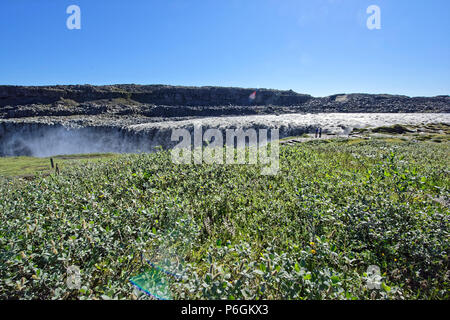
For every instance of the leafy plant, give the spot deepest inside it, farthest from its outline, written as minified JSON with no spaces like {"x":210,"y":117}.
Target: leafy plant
{"x":309,"y":232}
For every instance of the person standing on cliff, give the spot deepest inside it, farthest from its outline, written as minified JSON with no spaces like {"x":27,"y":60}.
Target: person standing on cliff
{"x":320,"y":133}
{"x":317,"y":132}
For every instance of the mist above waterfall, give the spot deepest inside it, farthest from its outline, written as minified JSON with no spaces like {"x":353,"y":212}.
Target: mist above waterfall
{"x":44,"y":141}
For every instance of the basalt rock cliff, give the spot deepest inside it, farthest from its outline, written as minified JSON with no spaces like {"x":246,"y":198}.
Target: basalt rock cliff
{"x":175,"y":101}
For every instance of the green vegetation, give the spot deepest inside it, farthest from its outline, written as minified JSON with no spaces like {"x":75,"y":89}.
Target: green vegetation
{"x":310,"y":232}
{"x":395,"y":129}
{"x":434,"y":137}
{"x":28,"y":167}
{"x":435,"y":132}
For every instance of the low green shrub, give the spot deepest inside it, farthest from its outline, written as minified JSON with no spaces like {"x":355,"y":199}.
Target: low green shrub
{"x":310,"y":232}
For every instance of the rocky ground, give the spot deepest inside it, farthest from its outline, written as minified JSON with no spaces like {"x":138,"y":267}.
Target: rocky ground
{"x":50,"y":120}
{"x":158,"y":101}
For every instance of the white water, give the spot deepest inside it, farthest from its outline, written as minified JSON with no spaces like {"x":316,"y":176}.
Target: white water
{"x":42,"y":140}
{"x":335,"y":123}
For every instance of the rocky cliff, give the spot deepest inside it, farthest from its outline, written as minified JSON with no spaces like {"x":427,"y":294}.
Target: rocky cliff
{"x":52,"y":120}
{"x":175,"y":101}
{"x":150,"y":94}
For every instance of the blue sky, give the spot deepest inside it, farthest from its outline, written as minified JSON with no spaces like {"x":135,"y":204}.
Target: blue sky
{"x":320,"y":47}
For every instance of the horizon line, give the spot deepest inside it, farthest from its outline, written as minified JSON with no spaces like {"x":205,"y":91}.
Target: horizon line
{"x":217,"y":86}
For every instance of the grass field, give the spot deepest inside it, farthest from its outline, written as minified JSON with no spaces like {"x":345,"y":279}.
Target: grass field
{"x":310,"y":232}
{"x":28,"y":167}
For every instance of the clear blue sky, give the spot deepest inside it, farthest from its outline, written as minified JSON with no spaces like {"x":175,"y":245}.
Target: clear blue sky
{"x":320,"y":47}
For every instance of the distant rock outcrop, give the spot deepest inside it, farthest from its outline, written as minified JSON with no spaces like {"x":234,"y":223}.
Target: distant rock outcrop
{"x":175,"y":101}
{"x":149,"y":94}
{"x":358,"y":102}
